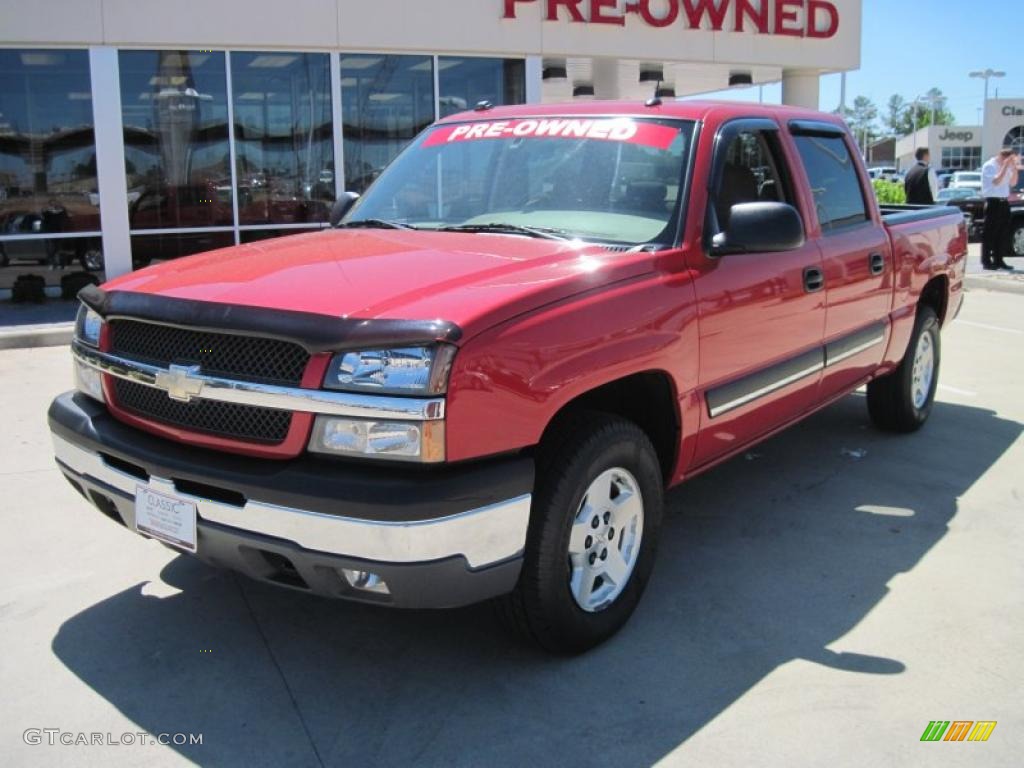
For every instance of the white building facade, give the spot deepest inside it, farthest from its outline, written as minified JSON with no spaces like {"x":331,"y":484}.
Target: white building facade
{"x":966,"y":147}
{"x":134,"y":131}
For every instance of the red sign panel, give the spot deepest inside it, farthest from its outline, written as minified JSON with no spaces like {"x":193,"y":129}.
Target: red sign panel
{"x":627,"y":131}
{"x":795,"y":18}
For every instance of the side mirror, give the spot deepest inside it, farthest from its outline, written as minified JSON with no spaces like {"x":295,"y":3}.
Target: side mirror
{"x":342,"y":206}
{"x":760,"y":228}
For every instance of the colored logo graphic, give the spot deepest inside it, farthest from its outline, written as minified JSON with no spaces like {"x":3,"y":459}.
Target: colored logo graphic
{"x":958,"y":730}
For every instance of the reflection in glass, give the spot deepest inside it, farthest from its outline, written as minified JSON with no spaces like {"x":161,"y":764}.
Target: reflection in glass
{"x":175,"y":116}
{"x":257,"y":235}
{"x":47,"y":147}
{"x":148,"y":249}
{"x":386,"y":101}
{"x":465,"y":82}
{"x":283,"y":144}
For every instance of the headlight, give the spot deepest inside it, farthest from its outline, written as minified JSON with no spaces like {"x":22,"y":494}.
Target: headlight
{"x":88,"y":325}
{"x":421,"y":441}
{"x":399,"y":371}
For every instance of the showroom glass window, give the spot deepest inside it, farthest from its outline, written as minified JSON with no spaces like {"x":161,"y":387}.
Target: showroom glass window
{"x":465,"y":82}
{"x":961,"y":158}
{"x":283,"y":147}
{"x":47,"y":164}
{"x":386,"y":102}
{"x":174,"y":110}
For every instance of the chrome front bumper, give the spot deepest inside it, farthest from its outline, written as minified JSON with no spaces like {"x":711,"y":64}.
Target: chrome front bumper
{"x":440,"y":538}
{"x":482,"y":536}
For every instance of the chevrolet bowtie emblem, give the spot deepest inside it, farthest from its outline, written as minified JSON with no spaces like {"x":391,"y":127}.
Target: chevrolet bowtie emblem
{"x":180,"y":382}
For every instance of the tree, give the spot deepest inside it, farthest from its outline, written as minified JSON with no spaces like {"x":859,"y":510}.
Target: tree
{"x":902,"y":117}
{"x":894,"y":113}
{"x":861,"y":119}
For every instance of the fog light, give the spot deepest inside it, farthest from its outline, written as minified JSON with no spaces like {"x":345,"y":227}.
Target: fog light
{"x":367,"y":581}
{"x":89,"y":381}
{"x":410,"y":441}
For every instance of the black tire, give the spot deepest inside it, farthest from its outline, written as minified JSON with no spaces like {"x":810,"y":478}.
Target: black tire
{"x":575,"y":453}
{"x":1017,"y":238}
{"x":891,"y":397}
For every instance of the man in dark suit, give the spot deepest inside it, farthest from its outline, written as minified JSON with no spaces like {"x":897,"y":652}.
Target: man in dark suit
{"x":921,"y":183}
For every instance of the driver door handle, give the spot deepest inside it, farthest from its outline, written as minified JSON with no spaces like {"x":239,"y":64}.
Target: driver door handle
{"x":877,"y":262}
{"x":814,"y":279}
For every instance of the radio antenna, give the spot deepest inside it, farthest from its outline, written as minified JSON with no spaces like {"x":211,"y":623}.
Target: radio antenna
{"x":655,"y":100}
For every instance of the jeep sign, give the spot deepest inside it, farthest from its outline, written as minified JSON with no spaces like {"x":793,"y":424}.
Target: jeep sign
{"x":964,"y":136}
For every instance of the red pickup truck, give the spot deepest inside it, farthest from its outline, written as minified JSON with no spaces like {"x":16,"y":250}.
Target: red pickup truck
{"x":481,"y":381}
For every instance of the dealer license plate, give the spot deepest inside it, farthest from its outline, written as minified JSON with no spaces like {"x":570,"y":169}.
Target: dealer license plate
{"x":165,"y":517}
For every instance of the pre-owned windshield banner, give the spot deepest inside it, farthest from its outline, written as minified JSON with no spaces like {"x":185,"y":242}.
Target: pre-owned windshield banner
{"x":627,"y":131}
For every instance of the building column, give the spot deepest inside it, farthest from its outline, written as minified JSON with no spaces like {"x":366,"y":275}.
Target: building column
{"x":111,"y":179}
{"x":534,"y":79}
{"x":605,"y":74}
{"x":800,"y":88}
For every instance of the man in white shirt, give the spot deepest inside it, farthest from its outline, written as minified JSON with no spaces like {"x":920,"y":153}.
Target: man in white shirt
{"x":997,"y":176}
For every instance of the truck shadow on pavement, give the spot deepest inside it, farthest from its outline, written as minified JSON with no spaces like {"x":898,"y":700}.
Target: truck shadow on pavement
{"x":767,"y":559}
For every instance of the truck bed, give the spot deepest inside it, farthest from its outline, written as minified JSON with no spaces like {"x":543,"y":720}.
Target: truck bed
{"x":893,"y":214}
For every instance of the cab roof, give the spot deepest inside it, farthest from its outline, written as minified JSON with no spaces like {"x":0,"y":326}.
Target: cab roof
{"x":703,"y":110}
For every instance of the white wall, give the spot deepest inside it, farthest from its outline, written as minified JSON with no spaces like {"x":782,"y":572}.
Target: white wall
{"x":456,"y":26}
{"x":998,"y":123}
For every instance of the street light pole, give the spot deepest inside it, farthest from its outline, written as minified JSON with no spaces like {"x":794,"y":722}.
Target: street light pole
{"x":986,"y":75}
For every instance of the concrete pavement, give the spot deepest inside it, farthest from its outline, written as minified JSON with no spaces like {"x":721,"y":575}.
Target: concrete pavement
{"x":816,"y":602}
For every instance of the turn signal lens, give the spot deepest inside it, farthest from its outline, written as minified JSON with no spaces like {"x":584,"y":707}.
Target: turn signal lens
{"x":89,"y":381}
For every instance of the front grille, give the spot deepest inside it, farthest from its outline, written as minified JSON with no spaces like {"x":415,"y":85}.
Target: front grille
{"x":229,"y":420}
{"x":268,"y":361}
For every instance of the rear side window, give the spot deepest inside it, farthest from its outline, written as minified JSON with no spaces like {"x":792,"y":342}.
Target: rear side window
{"x":833,"y":176}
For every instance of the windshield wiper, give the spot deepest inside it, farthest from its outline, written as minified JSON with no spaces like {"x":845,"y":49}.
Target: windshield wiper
{"x":513,"y":229}
{"x":374,"y":224}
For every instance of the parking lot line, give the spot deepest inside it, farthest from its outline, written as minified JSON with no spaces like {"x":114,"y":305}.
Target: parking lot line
{"x":988,"y":327}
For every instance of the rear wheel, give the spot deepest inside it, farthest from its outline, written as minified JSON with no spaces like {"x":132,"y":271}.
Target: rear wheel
{"x":1017,"y":239}
{"x":902,"y":400}
{"x":593,"y":534}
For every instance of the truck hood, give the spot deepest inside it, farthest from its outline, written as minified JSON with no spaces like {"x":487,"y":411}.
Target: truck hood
{"x":472,"y":280}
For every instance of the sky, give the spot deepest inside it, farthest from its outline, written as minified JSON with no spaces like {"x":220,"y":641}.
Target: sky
{"x":909,"y":46}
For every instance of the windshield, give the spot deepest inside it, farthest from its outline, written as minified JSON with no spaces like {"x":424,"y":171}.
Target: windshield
{"x":610,"y":180}
{"x":969,"y":177}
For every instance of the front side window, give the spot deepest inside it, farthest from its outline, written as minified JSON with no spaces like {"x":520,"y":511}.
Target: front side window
{"x":750,"y":174}
{"x":610,"y":180}
{"x":832,"y":174}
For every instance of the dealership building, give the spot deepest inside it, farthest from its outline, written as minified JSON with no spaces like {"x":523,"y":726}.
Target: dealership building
{"x":966,"y":147}
{"x":134,"y":131}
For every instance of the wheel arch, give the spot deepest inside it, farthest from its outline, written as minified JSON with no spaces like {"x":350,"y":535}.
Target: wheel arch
{"x":648,"y":399}
{"x":935,"y":294}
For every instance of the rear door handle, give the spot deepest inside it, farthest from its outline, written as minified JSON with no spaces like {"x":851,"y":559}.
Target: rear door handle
{"x":814,"y":279}
{"x":877,"y":262}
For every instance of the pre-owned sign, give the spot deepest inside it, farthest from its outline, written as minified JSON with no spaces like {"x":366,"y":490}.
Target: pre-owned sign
{"x":796,"y":18}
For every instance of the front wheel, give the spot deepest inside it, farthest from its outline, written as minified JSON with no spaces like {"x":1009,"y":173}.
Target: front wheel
{"x":902,"y":400}
{"x":593,"y":534}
